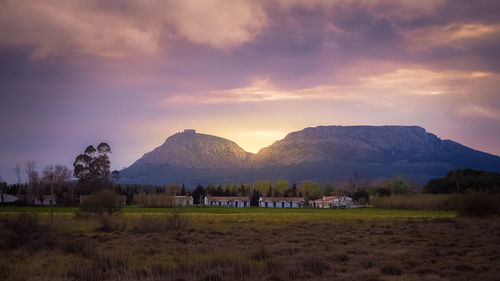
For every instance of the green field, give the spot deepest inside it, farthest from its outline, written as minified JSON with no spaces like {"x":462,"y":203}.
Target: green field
{"x":222,"y":218}
{"x":305,"y":213}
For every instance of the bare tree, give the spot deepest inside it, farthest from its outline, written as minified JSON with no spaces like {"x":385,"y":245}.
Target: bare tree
{"x":1,"y":188}
{"x":34,"y":188}
{"x":17,"y":172}
{"x":55,"y":176}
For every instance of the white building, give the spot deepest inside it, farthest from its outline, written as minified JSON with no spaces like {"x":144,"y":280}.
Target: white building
{"x":332,"y":202}
{"x":281,"y":202}
{"x":227,"y":201}
{"x":46,"y":200}
{"x":8,"y":198}
{"x":183,"y":200}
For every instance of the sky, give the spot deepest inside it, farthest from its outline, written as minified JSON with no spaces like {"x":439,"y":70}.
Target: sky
{"x":132,"y":73}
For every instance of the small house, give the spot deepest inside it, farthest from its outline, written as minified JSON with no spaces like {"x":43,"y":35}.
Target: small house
{"x":332,"y":202}
{"x":8,"y":198}
{"x":281,"y":202}
{"x":227,"y":201}
{"x":46,"y":201}
{"x":183,"y":200}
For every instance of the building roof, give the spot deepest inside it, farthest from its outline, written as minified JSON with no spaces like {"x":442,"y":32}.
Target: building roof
{"x":325,"y":199}
{"x":227,"y":198}
{"x":282,"y":199}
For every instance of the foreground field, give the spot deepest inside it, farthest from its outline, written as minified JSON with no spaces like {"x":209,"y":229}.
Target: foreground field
{"x":255,"y":244}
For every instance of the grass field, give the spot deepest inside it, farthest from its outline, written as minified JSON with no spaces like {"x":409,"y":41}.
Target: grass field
{"x":210,"y":244}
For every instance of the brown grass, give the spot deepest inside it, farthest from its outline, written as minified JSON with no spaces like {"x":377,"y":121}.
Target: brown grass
{"x":412,"y":249}
{"x":418,"y":202}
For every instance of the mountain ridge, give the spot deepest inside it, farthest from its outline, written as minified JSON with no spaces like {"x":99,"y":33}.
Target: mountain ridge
{"x":322,"y":153}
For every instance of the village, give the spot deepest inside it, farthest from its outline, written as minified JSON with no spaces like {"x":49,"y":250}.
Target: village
{"x":270,"y":202}
{"x":228,"y":201}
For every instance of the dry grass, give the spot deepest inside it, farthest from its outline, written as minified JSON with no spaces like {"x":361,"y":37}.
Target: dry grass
{"x":417,"y":202}
{"x":389,"y":249}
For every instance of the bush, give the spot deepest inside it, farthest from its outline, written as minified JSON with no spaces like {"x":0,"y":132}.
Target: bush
{"x":102,"y":202}
{"x":111,"y":224}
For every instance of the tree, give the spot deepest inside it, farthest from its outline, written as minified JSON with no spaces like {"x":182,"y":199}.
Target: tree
{"x":281,"y":187}
{"x":17,"y":172}
{"x":115,"y":176}
{"x":399,"y":184}
{"x":34,"y":188}
{"x":310,"y":190}
{"x":254,"y":199}
{"x":264,"y":187}
{"x":92,"y":168}
{"x":55,"y":176}
{"x":2,"y":186}
{"x":198,"y":194}
{"x":173,"y":189}
{"x":294,"y":191}
{"x":361,"y":196}
{"x":383,"y":192}
{"x":328,"y":189}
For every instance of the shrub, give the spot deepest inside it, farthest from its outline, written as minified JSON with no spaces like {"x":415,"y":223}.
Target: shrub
{"x":111,"y":224}
{"x":159,"y":224}
{"x":102,"y":202}
{"x":177,"y":221}
{"x":314,"y":265}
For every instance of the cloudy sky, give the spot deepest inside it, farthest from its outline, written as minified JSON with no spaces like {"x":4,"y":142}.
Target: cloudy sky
{"x":132,"y":73}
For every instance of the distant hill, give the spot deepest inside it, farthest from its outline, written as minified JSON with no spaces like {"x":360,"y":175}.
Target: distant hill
{"x":324,"y":154}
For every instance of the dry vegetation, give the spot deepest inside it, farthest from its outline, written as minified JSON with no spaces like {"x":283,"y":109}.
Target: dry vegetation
{"x":176,"y":246}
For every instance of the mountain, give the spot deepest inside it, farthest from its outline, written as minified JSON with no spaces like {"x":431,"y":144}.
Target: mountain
{"x":324,"y":154}
{"x":196,"y":151}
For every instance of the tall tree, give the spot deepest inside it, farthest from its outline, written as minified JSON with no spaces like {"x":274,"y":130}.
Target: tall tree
{"x":198,"y":195}
{"x":92,"y":168}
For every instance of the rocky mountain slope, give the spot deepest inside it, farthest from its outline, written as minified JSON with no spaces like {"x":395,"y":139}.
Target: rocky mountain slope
{"x":197,"y":151}
{"x":325,"y":153}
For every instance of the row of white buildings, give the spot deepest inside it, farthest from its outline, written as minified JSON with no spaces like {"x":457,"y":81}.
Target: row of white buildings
{"x":278,"y":202}
{"x":235,"y":201}
{"x":10,"y":198}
